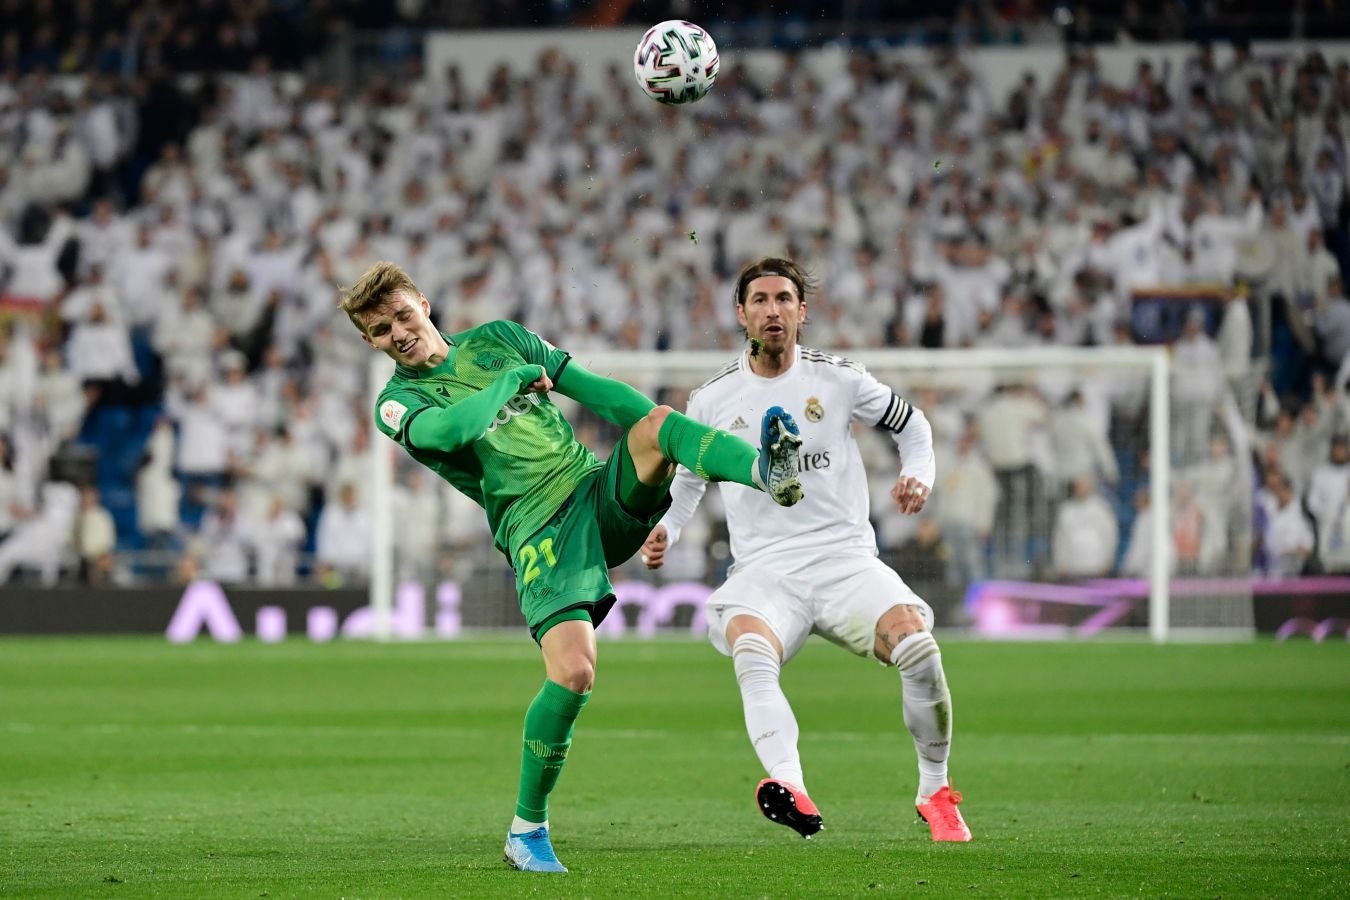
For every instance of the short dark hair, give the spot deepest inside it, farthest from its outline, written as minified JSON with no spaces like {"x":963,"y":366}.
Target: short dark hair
{"x":770,"y":265}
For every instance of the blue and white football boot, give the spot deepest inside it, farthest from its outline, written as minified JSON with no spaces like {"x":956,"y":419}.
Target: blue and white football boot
{"x":532,"y":852}
{"x":779,"y":443}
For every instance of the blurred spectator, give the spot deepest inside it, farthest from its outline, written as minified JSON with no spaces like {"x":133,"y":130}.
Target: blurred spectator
{"x":1086,"y":534}
{"x":1138,"y":561}
{"x":1222,"y":507}
{"x":138,"y":274}
{"x":343,"y":541}
{"x":1287,"y":540}
{"x":225,"y":539}
{"x":99,"y":354}
{"x":1188,"y":529}
{"x":11,"y":374}
{"x":93,"y":289}
{"x":925,"y":560}
{"x":278,"y":466}
{"x":157,"y":492}
{"x":9,"y":495}
{"x":234,"y":402}
{"x":105,"y":236}
{"x":1235,"y":348}
{"x":465,"y":533}
{"x":1197,"y":379}
{"x":1311,"y":440}
{"x":41,"y":540}
{"x":352,"y":466}
{"x":277,"y":537}
{"x":1007,"y":424}
{"x":31,"y":278}
{"x":416,"y":526}
{"x":1334,"y":543}
{"x":1079,"y":445}
{"x":1329,"y":495}
{"x":203,"y":448}
{"x":967,"y":497}
{"x":1333,"y":328}
{"x":95,"y":538}
{"x":185,"y":338}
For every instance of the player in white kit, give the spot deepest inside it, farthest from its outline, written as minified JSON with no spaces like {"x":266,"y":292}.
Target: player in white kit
{"x":815,"y":571}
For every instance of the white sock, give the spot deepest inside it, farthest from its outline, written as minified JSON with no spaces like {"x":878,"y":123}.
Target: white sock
{"x":520,"y":826}
{"x":927,"y":706}
{"x":768,"y":716}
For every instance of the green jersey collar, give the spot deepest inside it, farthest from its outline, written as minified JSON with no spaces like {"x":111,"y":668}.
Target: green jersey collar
{"x":446,"y":364}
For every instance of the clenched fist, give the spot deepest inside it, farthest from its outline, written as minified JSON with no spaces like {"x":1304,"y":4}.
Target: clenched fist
{"x":654,"y":548}
{"x":909,"y":495}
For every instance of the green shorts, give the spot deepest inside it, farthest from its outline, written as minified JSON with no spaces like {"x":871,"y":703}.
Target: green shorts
{"x":562,"y":570}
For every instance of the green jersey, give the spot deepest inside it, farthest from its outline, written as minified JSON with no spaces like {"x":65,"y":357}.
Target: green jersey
{"x":527,"y":462}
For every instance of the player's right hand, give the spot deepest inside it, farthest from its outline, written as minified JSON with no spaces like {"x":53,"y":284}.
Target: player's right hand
{"x":654,"y":548}
{"x":537,"y":385}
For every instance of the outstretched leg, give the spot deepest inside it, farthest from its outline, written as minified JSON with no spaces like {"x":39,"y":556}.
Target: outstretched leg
{"x":757,"y":655}
{"x":904,"y":641}
{"x":664,"y":437}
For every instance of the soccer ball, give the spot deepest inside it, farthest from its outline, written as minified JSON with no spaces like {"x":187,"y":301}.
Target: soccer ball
{"x":676,"y":62}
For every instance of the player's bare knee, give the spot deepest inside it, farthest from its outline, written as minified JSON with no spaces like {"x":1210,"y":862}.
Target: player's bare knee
{"x":656,"y":418}
{"x":577,"y":674}
{"x":896,"y":624}
{"x":741,"y":625}
{"x":649,"y":426}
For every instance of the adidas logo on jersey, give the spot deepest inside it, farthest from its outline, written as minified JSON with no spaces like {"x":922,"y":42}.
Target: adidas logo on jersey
{"x":739,"y":423}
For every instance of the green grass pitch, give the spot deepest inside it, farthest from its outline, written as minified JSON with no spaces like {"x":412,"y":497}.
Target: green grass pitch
{"x":131,"y":768}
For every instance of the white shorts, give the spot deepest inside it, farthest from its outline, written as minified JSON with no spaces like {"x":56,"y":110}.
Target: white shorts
{"x":838,"y":598}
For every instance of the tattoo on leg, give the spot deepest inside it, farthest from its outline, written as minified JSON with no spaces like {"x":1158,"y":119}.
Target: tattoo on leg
{"x":886,"y":644}
{"x":889,"y":638}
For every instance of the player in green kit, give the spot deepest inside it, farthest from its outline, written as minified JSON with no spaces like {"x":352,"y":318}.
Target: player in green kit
{"x":474,"y":408}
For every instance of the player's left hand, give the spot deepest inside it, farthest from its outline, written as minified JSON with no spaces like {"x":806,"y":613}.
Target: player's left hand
{"x":909,"y":494}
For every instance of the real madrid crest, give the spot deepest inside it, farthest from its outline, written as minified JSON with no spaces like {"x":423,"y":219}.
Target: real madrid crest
{"x":814,"y":411}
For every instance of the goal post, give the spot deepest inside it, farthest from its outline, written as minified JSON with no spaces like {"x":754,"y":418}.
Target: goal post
{"x":1160,"y":492}
{"x":383,"y":455}
{"x":1142,"y":599}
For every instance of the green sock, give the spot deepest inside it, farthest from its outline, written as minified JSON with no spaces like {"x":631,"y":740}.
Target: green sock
{"x":710,"y":454}
{"x":548,"y":734}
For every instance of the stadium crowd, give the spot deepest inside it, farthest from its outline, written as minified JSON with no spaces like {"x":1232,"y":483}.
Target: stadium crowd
{"x":171,"y":251}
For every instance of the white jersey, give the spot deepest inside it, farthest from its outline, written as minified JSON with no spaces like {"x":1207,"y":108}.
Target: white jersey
{"x":825,"y":394}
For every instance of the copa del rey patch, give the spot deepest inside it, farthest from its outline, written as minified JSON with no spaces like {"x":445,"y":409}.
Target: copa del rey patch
{"x":391,"y":413}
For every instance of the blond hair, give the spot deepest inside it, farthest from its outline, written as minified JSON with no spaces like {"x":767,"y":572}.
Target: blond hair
{"x":373,"y":290}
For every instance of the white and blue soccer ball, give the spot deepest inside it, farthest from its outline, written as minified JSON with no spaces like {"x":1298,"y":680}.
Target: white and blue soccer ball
{"x":676,"y":62}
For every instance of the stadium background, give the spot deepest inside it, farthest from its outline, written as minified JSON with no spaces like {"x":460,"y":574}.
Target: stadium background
{"x":182,"y":185}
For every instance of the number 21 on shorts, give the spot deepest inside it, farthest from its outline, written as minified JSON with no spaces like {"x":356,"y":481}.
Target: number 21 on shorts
{"x":529,"y":559}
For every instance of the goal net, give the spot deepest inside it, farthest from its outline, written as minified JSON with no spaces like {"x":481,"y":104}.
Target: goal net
{"x":1062,"y":508}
